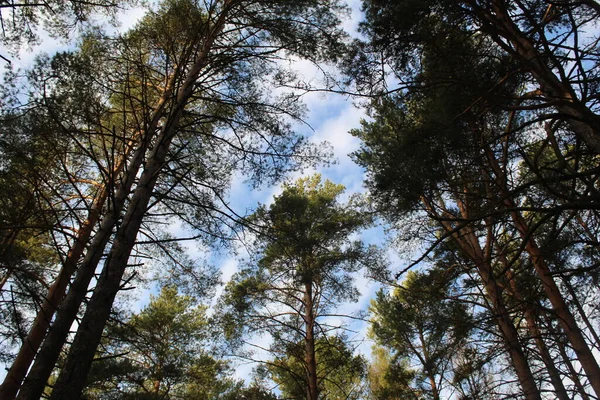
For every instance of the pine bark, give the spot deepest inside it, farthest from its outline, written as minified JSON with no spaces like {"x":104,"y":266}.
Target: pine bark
{"x":72,"y":377}
{"x":56,"y":292}
{"x":573,"y":374}
{"x":310,"y":356}
{"x":535,"y":333}
{"x":560,"y":307}
{"x":469,"y":244}
{"x":34,"y":385}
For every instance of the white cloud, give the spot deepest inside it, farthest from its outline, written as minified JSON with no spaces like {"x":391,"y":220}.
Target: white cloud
{"x":128,"y":18}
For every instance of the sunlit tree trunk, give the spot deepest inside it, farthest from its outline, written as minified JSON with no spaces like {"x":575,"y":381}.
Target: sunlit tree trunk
{"x":50,"y":303}
{"x":49,"y":351}
{"x":71,"y":380}
{"x":534,"y":331}
{"x":560,"y":307}
{"x":469,"y":244}
{"x":311,"y":361}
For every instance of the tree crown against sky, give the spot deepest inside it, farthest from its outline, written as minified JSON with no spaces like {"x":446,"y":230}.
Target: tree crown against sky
{"x":490,"y":140}
{"x":305,"y":257}
{"x":178,"y":85}
{"x":160,"y":353}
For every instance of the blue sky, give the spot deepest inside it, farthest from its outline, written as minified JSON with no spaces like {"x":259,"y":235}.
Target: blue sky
{"x":331,"y":117}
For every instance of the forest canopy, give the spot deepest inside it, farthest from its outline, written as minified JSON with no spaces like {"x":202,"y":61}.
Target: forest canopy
{"x":300,"y":199}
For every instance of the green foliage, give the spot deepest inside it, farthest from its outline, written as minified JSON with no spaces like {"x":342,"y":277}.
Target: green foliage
{"x":340,"y":373}
{"x":22,"y":21}
{"x":303,"y":240}
{"x":421,"y":327}
{"x":252,"y":392}
{"x":304,"y":270}
{"x":428,"y":136}
{"x":160,"y":354}
{"x":307,"y":229}
{"x":390,"y":379}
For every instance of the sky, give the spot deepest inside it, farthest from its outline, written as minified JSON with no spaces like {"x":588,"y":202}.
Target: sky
{"x":330,"y":118}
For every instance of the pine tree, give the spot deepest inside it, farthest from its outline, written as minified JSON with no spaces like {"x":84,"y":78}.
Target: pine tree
{"x":306,"y":258}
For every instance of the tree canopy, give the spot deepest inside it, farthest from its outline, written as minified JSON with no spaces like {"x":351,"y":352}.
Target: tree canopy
{"x":124,"y":156}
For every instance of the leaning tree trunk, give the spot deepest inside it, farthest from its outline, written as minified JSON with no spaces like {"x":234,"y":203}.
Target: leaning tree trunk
{"x":57,"y":291}
{"x":534,"y":331}
{"x":573,"y":374}
{"x":468,"y":243}
{"x":73,"y":375}
{"x":560,"y":307}
{"x":44,"y":363}
{"x":31,"y":344}
{"x":71,"y":380}
{"x":35,"y":383}
{"x":310,"y":353}
{"x":582,"y":313}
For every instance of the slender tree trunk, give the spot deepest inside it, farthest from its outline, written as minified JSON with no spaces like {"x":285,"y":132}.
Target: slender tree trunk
{"x":469,"y":244}
{"x":44,"y":363}
{"x":56,"y":292}
{"x":508,"y":331}
{"x":310,"y":356}
{"x":426,"y":364}
{"x":72,"y":377}
{"x":573,"y":375}
{"x":536,"y":334}
{"x":71,"y":380}
{"x":565,"y":317}
{"x":34,"y":384}
{"x":559,"y":388}
{"x":581,"y":311}
{"x":560,"y":345}
{"x":561,"y":309}
{"x":501,"y":27}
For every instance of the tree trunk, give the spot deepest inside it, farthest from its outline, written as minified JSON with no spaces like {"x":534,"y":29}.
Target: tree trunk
{"x":57,"y":336}
{"x":508,"y":331}
{"x":310,"y":356}
{"x":71,"y":380}
{"x":72,"y":377}
{"x":581,"y":311}
{"x":427,"y":366}
{"x":469,"y":244}
{"x":573,"y":375}
{"x":561,"y":309}
{"x":559,"y":388}
{"x":536,"y":334}
{"x":34,"y":384}
{"x":56,"y":292}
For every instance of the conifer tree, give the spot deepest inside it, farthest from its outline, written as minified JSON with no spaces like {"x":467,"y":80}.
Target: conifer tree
{"x":306,"y":257}
{"x":207,"y":59}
